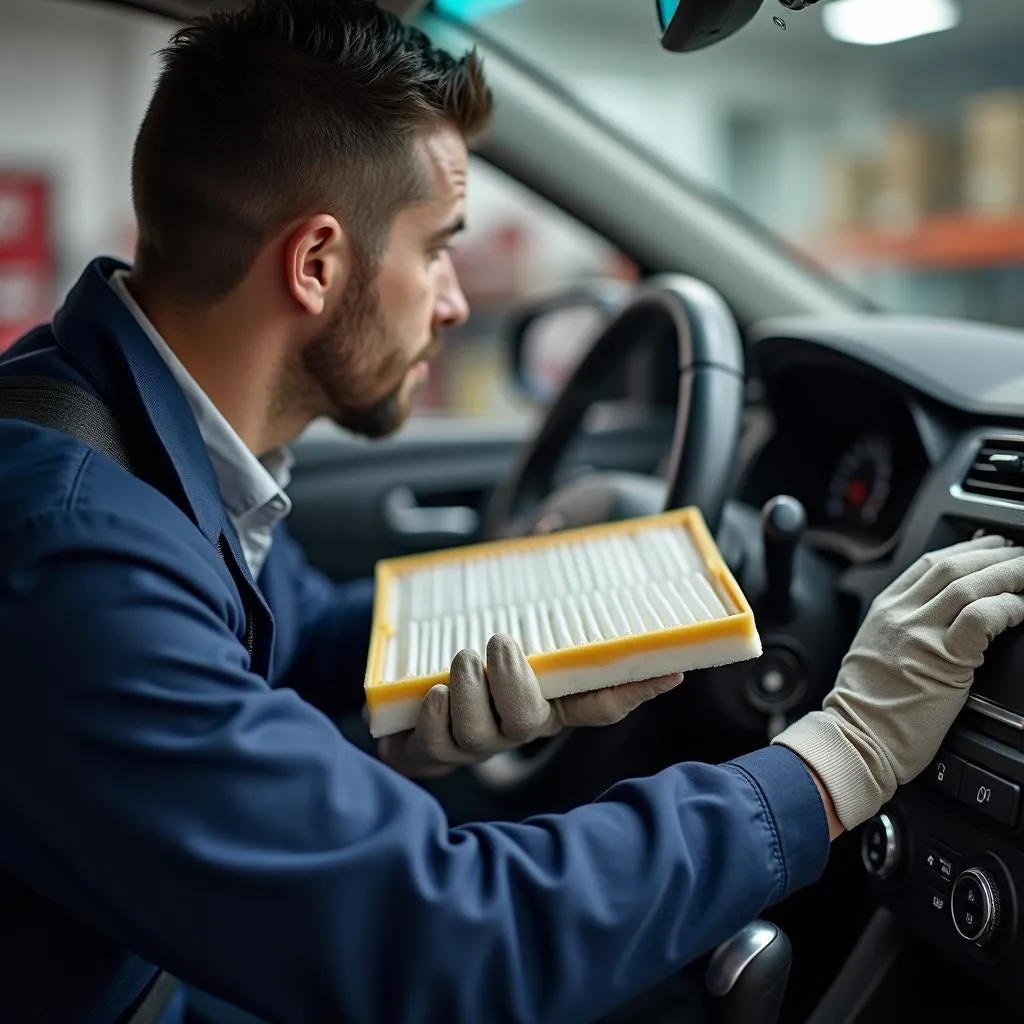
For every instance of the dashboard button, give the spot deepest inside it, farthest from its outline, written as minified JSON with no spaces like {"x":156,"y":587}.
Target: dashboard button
{"x":880,"y":847}
{"x":938,"y":902}
{"x":942,"y":867}
{"x":945,"y":772}
{"x":976,"y":906}
{"x":990,"y":794}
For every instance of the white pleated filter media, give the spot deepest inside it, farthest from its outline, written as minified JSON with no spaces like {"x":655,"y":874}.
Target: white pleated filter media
{"x":591,"y":607}
{"x":552,"y":598}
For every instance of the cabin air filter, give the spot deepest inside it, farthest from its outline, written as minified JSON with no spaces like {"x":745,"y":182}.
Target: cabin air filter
{"x":591,"y":607}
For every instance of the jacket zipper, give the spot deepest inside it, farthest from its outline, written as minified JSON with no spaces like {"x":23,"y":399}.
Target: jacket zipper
{"x":225,"y":553}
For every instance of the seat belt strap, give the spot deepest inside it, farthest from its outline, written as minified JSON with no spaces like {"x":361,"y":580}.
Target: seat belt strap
{"x":65,"y":406}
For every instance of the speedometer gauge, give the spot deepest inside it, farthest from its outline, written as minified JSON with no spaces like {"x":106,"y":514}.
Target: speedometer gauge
{"x":861,"y":482}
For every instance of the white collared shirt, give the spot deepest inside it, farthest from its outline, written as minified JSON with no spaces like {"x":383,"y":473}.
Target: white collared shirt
{"x":252,"y":489}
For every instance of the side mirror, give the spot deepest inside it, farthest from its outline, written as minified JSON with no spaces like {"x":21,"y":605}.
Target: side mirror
{"x":547,"y":339}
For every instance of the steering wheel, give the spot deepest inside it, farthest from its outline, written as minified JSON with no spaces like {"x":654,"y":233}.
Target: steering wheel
{"x":700,"y":469}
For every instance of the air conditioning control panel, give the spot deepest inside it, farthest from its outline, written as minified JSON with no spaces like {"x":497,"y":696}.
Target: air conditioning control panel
{"x":956,"y":872}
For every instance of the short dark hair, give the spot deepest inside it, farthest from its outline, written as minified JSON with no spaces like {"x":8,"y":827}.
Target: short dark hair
{"x":282,"y":109}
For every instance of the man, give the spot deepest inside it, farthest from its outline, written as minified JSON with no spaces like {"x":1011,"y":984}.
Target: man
{"x":171,"y":794}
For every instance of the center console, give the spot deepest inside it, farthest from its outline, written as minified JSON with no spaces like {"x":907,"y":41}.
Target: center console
{"x":946,"y":856}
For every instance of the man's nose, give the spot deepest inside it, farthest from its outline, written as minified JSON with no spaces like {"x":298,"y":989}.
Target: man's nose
{"x":451,"y":308}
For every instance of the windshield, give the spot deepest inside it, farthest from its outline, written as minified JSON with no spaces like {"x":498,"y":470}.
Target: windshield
{"x":897,"y":163}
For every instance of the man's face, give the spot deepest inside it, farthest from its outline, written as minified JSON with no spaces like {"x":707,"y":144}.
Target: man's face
{"x":373,"y":356}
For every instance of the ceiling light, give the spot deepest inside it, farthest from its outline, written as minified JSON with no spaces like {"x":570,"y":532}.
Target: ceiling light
{"x":877,"y":22}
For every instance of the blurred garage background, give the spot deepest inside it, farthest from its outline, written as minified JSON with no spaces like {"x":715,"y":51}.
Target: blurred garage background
{"x":883,"y":139}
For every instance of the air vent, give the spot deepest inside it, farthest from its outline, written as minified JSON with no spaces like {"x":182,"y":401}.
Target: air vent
{"x":998,"y":471}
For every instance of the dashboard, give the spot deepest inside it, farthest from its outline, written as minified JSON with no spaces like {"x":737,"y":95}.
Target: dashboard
{"x":849,"y":449}
{"x":901,"y":438}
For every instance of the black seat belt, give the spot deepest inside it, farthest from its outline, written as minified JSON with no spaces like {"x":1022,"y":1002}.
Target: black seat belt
{"x":64,"y":406}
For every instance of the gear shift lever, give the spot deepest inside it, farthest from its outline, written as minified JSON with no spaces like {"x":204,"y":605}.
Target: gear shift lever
{"x":747,"y":975}
{"x":784,"y":522}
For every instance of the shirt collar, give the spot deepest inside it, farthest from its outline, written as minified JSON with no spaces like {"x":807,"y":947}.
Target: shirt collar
{"x":246,"y":483}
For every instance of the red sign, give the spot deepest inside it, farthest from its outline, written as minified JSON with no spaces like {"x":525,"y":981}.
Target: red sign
{"x":26,"y":255}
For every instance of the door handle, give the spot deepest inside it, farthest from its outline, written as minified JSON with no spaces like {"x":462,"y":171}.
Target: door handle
{"x":406,"y":516}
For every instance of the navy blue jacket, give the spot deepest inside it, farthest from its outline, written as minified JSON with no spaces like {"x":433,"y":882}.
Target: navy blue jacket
{"x":166,"y":798}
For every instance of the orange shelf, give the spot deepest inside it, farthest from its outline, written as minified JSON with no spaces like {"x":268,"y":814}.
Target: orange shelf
{"x":951,"y":241}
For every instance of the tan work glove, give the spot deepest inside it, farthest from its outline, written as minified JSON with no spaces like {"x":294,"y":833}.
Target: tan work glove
{"x":908,"y":673}
{"x":479,"y":714}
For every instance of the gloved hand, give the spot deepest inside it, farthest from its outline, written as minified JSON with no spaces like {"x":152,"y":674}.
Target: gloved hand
{"x":908,"y":673}
{"x":479,"y":714}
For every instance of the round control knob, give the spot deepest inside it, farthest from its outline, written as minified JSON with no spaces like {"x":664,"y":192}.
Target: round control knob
{"x":976,"y":906}
{"x":880,"y":847}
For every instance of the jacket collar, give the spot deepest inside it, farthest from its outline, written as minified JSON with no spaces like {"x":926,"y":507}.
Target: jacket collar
{"x":98,"y":334}
{"x":100,"y":339}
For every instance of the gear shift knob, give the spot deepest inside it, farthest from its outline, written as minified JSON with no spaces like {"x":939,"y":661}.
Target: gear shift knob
{"x":784,"y":522}
{"x":747,"y":975}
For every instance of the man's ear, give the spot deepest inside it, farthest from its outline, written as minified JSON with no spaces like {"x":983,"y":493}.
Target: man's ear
{"x":318,"y":261}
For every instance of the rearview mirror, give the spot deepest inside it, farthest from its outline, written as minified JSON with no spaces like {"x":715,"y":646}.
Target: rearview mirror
{"x":693,"y":24}
{"x":547,"y":339}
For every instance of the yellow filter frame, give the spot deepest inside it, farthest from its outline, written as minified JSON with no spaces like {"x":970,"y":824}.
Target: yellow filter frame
{"x":728,"y":638}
